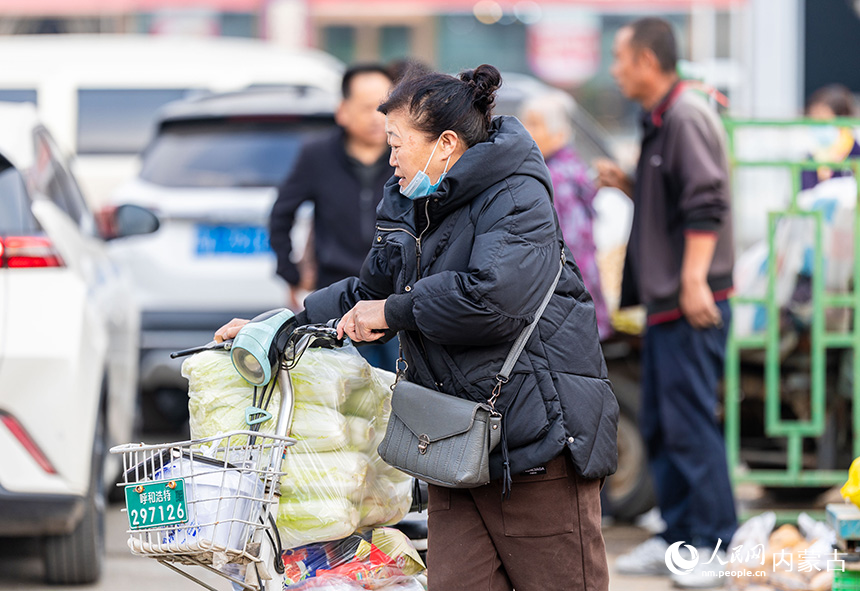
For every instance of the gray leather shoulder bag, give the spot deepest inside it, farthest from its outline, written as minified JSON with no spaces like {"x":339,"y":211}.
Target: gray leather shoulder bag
{"x":443,"y":439}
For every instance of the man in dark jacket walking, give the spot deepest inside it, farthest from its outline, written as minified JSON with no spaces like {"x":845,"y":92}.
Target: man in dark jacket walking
{"x":343,"y":174}
{"x":679,"y":266}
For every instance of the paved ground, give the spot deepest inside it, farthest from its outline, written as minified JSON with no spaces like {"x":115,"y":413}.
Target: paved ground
{"x":20,"y":570}
{"x":620,"y":539}
{"x":122,"y":572}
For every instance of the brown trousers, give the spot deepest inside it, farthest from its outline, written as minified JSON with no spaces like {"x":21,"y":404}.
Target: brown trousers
{"x":545,"y":537}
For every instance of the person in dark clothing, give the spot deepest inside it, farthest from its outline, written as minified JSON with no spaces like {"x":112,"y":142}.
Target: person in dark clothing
{"x":679,"y":266}
{"x":343,"y":174}
{"x":467,"y":245}
{"x":344,"y":191}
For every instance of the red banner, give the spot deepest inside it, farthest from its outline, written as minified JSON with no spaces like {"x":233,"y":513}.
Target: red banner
{"x":98,"y":7}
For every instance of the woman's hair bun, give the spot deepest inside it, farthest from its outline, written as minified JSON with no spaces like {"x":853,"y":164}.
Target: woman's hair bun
{"x":484,"y":81}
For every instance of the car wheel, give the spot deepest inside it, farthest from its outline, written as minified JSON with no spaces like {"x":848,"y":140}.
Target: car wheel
{"x":630,"y":492}
{"x":76,"y":558}
{"x":164,"y":410}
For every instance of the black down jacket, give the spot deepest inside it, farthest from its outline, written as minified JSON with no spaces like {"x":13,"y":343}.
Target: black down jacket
{"x":464,"y":271}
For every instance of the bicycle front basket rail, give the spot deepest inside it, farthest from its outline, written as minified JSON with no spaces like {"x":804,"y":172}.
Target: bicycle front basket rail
{"x":201,"y":502}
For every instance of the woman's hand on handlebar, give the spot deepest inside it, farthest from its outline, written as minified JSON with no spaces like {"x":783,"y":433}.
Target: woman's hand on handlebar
{"x":230,"y":330}
{"x":365,"y":322}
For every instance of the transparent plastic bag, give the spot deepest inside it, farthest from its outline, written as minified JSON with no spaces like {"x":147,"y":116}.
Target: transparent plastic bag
{"x":335,"y":483}
{"x":835,"y":200}
{"x":347,"y":487}
{"x":384,"y":560}
{"x":383,"y":498}
{"x":218,"y":396}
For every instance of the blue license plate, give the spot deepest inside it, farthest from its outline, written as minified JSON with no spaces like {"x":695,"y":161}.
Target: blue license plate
{"x":233,"y":240}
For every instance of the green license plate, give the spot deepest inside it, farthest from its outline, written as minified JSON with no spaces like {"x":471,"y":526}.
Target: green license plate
{"x":158,"y":503}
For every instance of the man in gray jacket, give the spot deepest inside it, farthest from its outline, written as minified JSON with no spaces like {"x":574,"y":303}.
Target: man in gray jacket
{"x":679,"y":266}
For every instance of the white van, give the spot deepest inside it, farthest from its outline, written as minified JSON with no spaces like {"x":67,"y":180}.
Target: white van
{"x":99,"y":93}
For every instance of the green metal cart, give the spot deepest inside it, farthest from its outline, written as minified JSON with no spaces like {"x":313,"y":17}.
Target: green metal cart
{"x":796,"y":471}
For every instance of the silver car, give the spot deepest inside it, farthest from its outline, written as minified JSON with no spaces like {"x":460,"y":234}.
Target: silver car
{"x":210,"y":176}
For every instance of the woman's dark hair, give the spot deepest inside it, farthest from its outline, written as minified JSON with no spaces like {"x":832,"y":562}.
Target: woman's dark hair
{"x":835,"y":96}
{"x":406,"y":68}
{"x":439,"y":102}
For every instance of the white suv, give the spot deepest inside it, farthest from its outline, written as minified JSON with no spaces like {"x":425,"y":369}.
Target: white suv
{"x":210,"y":175}
{"x":68,"y":354}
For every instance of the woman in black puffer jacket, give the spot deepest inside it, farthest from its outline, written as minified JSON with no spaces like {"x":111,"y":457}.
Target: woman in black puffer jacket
{"x":466,"y":246}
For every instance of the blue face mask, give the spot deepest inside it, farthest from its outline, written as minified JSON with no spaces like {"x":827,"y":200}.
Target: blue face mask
{"x":420,"y":185}
{"x":824,"y":136}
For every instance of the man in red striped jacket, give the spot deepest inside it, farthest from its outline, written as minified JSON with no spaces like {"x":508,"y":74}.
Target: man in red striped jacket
{"x":679,"y":266}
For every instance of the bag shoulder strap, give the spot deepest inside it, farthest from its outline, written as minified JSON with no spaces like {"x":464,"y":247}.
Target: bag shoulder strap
{"x":520,"y":344}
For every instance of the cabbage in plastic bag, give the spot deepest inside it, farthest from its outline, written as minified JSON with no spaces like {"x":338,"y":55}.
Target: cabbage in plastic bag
{"x":339,"y":474}
{"x":218,"y":396}
{"x":387,"y":493}
{"x":384,"y":501}
{"x":335,"y":481}
{"x":331,"y":518}
{"x":361,"y":434}
{"x":373,"y":399}
{"x":327,"y":376}
{"x":318,"y":428}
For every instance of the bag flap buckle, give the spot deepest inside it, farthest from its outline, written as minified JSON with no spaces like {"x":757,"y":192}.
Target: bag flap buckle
{"x":423,"y":443}
{"x":435,"y":415}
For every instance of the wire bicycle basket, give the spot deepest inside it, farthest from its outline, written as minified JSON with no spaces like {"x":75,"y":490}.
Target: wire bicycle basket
{"x":215,"y":501}
{"x":203,"y":502}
